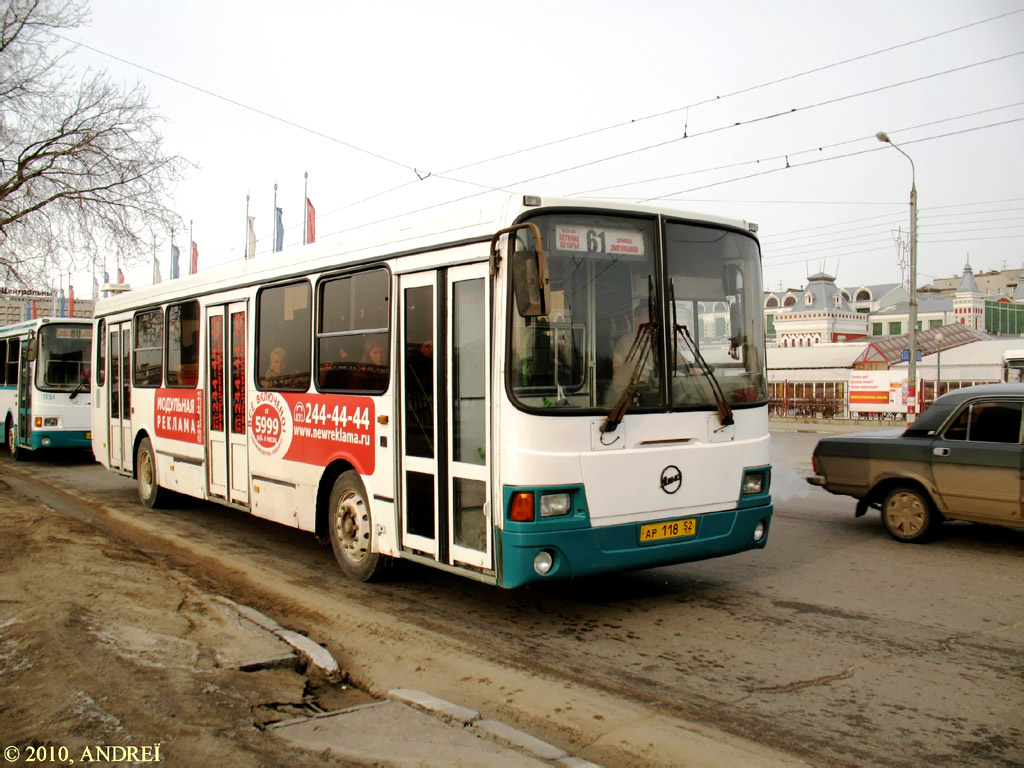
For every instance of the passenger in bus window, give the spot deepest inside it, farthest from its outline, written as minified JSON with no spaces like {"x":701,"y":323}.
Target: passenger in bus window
{"x":624,"y":364}
{"x":372,"y":370}
{"x":278,"y":368}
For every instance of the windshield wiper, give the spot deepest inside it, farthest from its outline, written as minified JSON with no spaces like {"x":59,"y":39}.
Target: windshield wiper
{"x":80,"y":388}
{"x":639,"y":350}
{"x":724,"y":411}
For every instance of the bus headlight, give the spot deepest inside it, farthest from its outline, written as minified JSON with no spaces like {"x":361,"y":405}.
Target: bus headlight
{"x":543,"y":563}
{"x":51,"y":422}
{"x":554,"y":504}
{"x":755,"y":482}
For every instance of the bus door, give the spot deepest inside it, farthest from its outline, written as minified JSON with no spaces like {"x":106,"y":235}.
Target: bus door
{"x":226,"y":445}
{"x":119,"y":377}
{"x":443,"y":332}
{"x":24,"y":393}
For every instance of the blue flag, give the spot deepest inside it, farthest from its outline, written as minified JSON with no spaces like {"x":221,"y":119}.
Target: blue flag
{"x":278,"y":229}
{"x":63,"y":309}
{"x":28,"y":311}
{"x":174,"y":262}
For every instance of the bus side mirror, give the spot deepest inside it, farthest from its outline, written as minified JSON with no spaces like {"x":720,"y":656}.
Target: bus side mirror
{"x":32,"y":347}
{"x":531,"y":283}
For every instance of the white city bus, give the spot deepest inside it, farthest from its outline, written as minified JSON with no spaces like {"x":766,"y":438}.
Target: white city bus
{"x":490,"y":395}
{"x":44,"y":384}
{"x":1013,"y":365}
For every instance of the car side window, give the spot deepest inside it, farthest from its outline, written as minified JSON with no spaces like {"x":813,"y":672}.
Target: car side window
{"x":996,"y":422}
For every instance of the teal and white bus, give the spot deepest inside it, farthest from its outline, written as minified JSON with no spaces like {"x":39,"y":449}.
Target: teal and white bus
{"x":542,"y":391}
{"x":45,"y":384}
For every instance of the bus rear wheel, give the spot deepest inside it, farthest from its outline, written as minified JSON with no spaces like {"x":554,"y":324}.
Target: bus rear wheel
{"x":12,"y":443}
{"x":351,"y":529}
{"x":150,"y":493}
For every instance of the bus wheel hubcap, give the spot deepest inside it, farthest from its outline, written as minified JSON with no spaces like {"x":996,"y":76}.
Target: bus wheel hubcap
{"x":353,"y":526}
{"x":146,"y":472}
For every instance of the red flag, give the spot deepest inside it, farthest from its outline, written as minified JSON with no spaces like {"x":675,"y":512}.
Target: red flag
{"x":310,"y":222}
{"x":195,"y":258}
{"x":35,"y":313}
{"x":71,"y":302}
{"x":120,"y":275}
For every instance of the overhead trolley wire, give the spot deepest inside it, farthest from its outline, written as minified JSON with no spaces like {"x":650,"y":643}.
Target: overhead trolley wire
{"x":788,"y":155}
{"x":739,"y":92}
{"x":829,"y":159}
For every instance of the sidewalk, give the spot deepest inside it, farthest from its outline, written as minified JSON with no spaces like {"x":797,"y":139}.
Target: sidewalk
{"x":831,"y":426}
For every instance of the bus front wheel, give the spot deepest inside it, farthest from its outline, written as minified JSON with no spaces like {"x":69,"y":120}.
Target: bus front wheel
{"x":12,"y":442}
{"x":150,"y":493}
{"x":351,"y":529}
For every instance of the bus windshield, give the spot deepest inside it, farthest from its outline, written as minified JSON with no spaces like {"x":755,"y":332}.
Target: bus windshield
{"x":618,"y":320}
{"x":63,"y":362}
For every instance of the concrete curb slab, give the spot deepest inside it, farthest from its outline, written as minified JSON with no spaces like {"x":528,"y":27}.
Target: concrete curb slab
{"x":435,"y":705}
{"x":316,"y":656}
{"x":521,"y":740}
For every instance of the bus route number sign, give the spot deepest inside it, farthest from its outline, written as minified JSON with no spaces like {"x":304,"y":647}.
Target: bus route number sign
{"x":619,"y":242}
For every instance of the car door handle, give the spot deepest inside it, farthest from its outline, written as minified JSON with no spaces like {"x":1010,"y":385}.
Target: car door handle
{"x":940,"y":451}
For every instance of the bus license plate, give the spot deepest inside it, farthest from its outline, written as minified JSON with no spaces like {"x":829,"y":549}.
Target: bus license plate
{"x":670,"y":529}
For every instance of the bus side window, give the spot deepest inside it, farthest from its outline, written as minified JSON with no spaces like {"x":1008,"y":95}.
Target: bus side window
{"x":13,"y":358}
{"x":3,"y":362}
{"x":353,"y":340}
{"x":283,"y":331}
{"x":149,"y":338}
{"x":183,"y":344}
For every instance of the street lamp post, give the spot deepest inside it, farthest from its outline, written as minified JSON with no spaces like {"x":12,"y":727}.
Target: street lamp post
{"x":912,"y":368}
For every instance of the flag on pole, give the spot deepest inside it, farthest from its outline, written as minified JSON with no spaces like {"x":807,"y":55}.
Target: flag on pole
{"x":28,"y":309}
{"x":120,"y":276}
{"x":174,"y":262}
{"x":156,"y":270}
{"x":278,"y":229}
{"x":310,"y":222}
{"x":71,"y":300}
{"x":62,"y":312}
{"x":195,"y":258}
{"x":35,"y":311}
{"x":250,"y":239}
{"x":95,"y":287}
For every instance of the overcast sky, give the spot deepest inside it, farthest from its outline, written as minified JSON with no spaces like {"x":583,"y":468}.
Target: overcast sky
{"x":363,"y":95}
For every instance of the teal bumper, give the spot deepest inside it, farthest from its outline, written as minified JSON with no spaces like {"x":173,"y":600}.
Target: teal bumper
{"x":72,"y":438}
{"x":588,"y":551}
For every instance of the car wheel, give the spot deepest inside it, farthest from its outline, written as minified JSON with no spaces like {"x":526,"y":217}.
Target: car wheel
{"x":15,"y":451}
{"x":909,"y":516}
{"x":150,"y":492}
{"x":351,"y":528}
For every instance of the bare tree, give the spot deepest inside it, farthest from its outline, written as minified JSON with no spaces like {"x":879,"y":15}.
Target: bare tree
{"x":83,"y":171}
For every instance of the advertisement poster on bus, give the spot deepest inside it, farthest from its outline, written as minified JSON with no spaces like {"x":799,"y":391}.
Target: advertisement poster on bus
{"x":314,"y":429}
{"x":879,"y":391}
{"x":179,"y":415}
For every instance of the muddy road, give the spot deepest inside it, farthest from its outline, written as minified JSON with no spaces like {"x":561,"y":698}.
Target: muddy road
{"x":835,"y":644}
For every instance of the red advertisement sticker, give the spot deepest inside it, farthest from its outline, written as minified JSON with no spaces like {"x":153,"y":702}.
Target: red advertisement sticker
{"x":314,"y":429}
{"x":179,"y":415}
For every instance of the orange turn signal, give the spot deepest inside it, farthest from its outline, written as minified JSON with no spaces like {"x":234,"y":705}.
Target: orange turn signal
{"x":520,"y":510}
{"x":39,"y":421}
